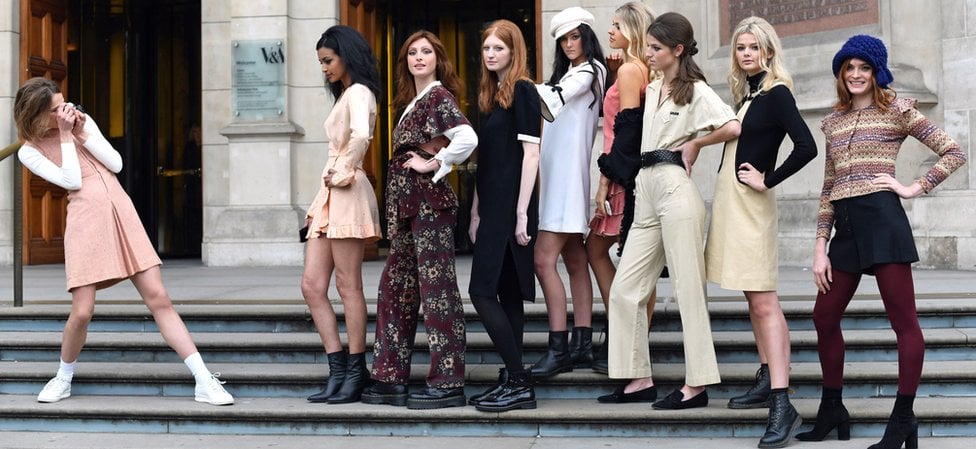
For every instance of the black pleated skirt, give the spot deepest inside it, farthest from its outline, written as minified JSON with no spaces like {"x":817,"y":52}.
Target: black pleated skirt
{"x":870,"y":230}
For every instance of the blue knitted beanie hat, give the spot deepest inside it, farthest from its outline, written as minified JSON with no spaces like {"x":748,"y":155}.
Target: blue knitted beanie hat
{"x":869,"y":49}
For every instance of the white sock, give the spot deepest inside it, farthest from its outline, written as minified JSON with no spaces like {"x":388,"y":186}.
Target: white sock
{"x":66,"y":370}
{"x":197,"y":367}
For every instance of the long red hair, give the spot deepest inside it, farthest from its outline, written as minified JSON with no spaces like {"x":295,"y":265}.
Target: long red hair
{"x":406,"y":90}
{"x":490,"y":91}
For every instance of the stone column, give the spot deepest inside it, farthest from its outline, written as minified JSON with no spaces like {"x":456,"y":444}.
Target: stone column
{"x":250,"y":217}
{"x":9,"y":82}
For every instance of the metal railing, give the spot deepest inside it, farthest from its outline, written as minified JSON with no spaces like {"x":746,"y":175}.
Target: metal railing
{"x":18,"y":225}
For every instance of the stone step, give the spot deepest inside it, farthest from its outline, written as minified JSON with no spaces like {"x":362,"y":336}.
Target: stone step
{"x":87,"y":440}
{"x":553,"y":417}
{"x":862,"y":379}
{"x":294,"y":347}
{"x":937,"y":311}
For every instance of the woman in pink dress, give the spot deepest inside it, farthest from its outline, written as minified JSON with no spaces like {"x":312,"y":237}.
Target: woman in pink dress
{"x":626,"y":96}
{"x":343,"y":216}
{"x":104,"y":240}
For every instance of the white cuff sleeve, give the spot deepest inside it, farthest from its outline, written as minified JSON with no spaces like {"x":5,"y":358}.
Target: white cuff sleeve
{"x":463,"y":142}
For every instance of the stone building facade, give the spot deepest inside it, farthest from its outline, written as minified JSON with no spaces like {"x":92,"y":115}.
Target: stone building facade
{"x":260,"y":174}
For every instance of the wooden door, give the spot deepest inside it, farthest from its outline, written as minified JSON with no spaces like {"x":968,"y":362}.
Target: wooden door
{"x":44,"y":52}
{"x":361,"y":15}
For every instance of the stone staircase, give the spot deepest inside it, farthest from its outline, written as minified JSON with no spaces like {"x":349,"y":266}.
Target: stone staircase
{"x":128,"y":380}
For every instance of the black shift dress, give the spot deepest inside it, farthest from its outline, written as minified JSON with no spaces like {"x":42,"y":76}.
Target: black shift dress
{"x":497,"y":180}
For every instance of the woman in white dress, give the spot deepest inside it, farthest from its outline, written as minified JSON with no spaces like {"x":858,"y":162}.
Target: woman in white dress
{"x":572,"y":97}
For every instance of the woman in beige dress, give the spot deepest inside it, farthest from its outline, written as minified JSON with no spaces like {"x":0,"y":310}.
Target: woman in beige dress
{"x":742,"y":249}
{"x":104,"y":240}
{"x":343,"y":216}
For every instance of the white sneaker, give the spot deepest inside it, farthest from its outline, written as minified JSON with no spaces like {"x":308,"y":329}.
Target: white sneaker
{"x":211,"y":391}
{"x":56,"y":389}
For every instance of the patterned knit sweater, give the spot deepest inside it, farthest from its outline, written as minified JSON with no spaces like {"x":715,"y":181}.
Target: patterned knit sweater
{"x":864,"y":142}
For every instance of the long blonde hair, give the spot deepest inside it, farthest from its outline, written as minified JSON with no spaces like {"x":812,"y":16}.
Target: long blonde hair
{"x":490,"y":90}
{"x":770,"y":59}
{"x":635,"y":17}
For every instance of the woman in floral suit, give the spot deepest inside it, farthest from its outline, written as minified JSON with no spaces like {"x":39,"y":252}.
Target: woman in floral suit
{"x":421,"y":211}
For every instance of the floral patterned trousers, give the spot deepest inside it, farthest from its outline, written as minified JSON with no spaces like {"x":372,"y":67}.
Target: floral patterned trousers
{"x":420,"y":270}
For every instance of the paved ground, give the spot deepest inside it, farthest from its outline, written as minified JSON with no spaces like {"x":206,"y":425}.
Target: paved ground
{"x":191,"y":281}
{"x":39,"y":440}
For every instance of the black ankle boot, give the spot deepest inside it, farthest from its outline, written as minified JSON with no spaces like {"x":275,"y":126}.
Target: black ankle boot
{"x":517,"y":392}
{"x":556,"y":359}
{"x":357,"y":377}
{"x":902,"y":426}
{"x":831,"y":414}
{"x":337,"y":374}
{"x":502,"y":379}
{"x":783,"y":420}
{"x":758,"y":395}
{"x":581,"y":347}
{"x":601,"y":360}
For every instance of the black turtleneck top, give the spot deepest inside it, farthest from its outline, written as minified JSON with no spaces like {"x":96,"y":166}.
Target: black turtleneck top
{"x":771,"y":116}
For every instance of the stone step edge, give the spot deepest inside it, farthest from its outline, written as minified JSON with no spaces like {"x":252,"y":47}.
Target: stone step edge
{"x":310,"y":341}
{"x":196,"y":310}
{"x":558,"y":411}
{"x":284,"y":373}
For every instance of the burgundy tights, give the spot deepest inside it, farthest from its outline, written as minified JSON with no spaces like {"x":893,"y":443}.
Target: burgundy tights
{"x":898,"y":293}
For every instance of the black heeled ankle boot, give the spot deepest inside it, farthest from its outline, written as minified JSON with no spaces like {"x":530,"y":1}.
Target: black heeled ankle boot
{"x":581,"y":347}
{"x":502,"y":379}
{"x":556,"y":359}
{"x":902,"y":426}
{"x":758,"y":395}
{"x":831,"y":414}
{"x":783,"y":420}
{"x":601,"y":360}
{"x":337,"y":374}
{"x":517,"y":392}
{"x":357,"y":377}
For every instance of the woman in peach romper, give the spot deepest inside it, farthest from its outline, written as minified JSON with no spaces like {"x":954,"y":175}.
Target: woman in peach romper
{"x":343,"y":216}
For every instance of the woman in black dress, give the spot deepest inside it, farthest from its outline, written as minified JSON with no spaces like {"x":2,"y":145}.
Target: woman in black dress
{"x":502,"y":271}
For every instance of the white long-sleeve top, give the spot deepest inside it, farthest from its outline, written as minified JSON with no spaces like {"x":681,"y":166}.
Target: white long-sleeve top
{"x":68,"y":175}
{"x":463,"y":139}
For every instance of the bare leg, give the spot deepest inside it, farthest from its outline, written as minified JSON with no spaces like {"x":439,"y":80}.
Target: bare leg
{"x":149,"y":283}
{"x":76,"y":327}
{"x":319,"y":265}
{"x":580,"y":286}
{"x":772,"y":335}
{"x":349,"y":282}
{"x":547,"y":248}
{"x":598,"y":253}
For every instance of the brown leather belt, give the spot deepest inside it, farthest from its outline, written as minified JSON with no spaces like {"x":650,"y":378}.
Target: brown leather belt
{"x":650,"y":158}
